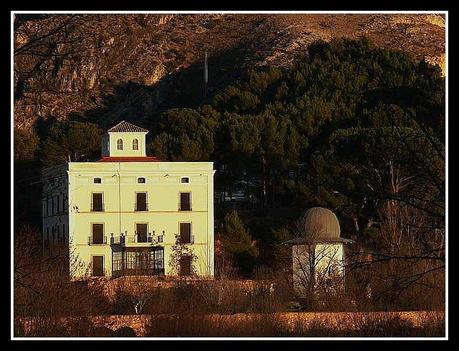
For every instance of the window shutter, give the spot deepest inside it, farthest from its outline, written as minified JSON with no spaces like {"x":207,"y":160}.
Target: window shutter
{"x":185,"y":232}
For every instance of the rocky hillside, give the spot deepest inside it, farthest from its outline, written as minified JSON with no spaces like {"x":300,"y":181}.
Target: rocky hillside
{"x":107,"y":67}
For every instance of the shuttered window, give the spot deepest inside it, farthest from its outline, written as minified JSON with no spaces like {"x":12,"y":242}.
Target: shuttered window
{"x":141,"y":202}
{"x":97,"y":233}
{"x":141,"y":229}
{"x":97,"y":265}
{"x":185,"y":201}
{"x":97,"y":204}
{"x":185,"y":232}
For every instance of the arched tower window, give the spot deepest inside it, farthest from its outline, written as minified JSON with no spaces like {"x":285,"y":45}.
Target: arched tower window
{"x":119,"y":144}
{"x":135,"y":144}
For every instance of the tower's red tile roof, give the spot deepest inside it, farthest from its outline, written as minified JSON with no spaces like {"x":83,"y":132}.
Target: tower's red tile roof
{"x":129,"y":159}
{"x":124,"y":126}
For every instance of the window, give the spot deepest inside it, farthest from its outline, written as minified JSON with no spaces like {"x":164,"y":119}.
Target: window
{"x":141,"y":232}
{"x":131,"y":259}
{"x":185,"y":265}
{"x":185,"y":233}
{"x":185,"y":180}
{"x":141,"y":202}
{"x":97,"y":180}
{"x":117,"y":261}
{"x":97,"y":265}
{"x":141,"y":180}
{"x":119,"y":144}
{"x":135,"y":144}
{"x":97,"y":204}
{"x":158,"y":260}
{"x":97,"y":233}
{"x":185,"y":202}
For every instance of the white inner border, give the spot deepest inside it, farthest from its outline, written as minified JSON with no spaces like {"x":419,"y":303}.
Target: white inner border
{"x":445,"y":13}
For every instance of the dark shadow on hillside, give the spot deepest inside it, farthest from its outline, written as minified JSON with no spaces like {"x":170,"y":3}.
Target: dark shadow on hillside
{"x":143,"y":105}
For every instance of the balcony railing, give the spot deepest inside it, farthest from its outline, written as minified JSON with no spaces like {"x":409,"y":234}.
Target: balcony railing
{"x":140,"y":238}
{"x":97,"y":241}
{"x":141,"y":207}
{"x":136,"y":239}
{"x":97,"y":207}
{"x":184,"y":240}
{"x":184,"y":206}
{"x":117,"y":240}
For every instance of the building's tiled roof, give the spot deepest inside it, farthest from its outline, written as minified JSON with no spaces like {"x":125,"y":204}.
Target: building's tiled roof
{"x":124,"y":126}
{"x":129,"y":159}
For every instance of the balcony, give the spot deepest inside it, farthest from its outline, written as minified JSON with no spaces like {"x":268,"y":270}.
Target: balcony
{"x":184,"y":206}
{"x":97,"y":241}
{"x":117,"y":240}
{"x":137,"y":240}
{"x":185,"y":240}
{"x":97,"y":207}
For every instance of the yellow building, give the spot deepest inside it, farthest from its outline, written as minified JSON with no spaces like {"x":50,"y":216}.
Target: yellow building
{"x":128,"y":213}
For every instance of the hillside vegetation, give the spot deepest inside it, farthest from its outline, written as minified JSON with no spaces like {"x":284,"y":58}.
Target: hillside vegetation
{"x":73,"y":64}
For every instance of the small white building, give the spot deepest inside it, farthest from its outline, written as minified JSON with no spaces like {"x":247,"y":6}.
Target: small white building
{"x":318,"y":258}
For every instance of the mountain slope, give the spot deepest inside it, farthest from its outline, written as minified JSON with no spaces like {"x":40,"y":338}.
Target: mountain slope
{"x":108,"y":67}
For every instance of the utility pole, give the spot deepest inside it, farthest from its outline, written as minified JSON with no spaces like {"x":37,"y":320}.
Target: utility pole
{"x":206,"y":74}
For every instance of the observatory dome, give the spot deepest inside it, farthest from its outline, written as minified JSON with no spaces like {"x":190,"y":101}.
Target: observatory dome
{"x":321,"y":224}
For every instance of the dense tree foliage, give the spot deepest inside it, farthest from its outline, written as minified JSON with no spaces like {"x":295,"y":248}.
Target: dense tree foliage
{"x":71,"y":141}
{"x":237,"y":242}
{"x":25,"y":145}
{"x":349,"y":126}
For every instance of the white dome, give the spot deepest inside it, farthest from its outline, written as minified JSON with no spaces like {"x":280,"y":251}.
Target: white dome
{"x":321,"y":224}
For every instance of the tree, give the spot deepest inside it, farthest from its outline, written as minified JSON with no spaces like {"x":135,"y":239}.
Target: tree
{"x":181,"y":250}
{"x":25,"y":145}
{"x":398,"y":174}
{"x":71,"y":141}
{"x":237,"y":242}
{"x":186,"y":134}
{"x":135,"y":291}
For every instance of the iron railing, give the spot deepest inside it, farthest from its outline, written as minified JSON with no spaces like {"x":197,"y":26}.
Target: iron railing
{"x":137,"y":239}
{"x":117,"y":240}
{"x":91,"y":241}
{"x":184,"y":240}
{"x":100,"y":207}
{"x":184,"y":206}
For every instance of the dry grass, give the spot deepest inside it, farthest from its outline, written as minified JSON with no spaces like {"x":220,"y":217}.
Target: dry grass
{"x":373,"y":324}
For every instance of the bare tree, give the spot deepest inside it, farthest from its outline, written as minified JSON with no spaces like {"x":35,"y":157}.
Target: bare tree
{"x":137,"y":291}
{"x":317,"y":266}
